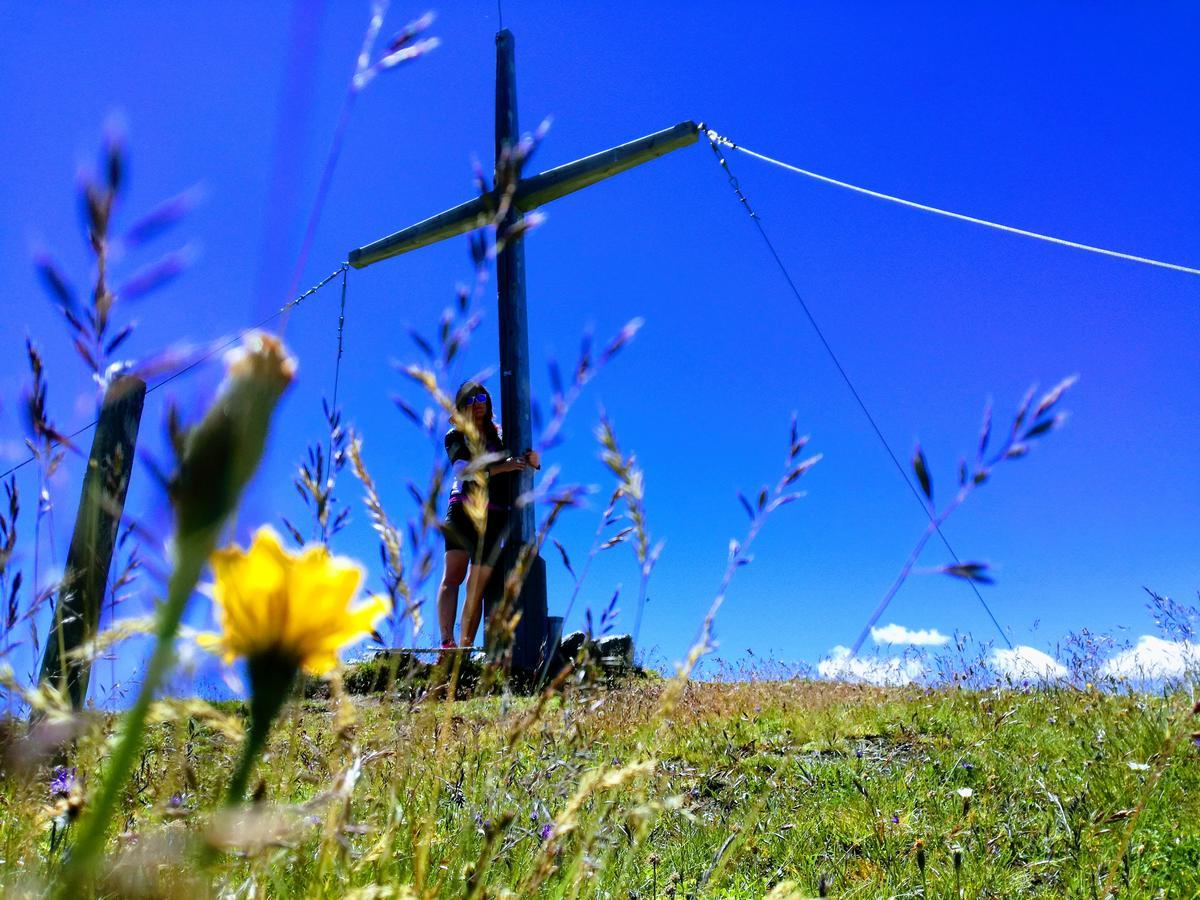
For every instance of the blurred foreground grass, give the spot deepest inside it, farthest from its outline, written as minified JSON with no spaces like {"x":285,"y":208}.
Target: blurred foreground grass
{"x":742,"y":788}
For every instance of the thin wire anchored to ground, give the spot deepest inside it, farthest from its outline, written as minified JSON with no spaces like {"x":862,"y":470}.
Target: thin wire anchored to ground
{"x":207,"y":355}
{"x":717,"y":141}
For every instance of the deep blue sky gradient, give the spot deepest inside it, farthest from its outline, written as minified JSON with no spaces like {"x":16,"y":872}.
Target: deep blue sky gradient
{"x":1073,"y":119}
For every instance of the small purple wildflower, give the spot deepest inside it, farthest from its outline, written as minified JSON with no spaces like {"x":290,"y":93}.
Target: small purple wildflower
{"x":547,"y":830}
{"x":895,"y":820}
{"x":858,"y":753}
{"x":175,"y":802}
{"x":63,"y":781}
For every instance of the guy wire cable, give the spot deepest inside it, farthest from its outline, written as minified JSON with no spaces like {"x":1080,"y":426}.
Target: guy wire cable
{"x":291,"y":304}
{"x":962,"y":217}
{"x":337,"y":372}
{"x":210,"y":353}
{"x":733,"y":183}
{"x":337,"y":366}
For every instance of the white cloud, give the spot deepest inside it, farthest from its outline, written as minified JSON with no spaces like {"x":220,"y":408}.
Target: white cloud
{"x":898,"y":634}
{"x":1023,"y":663}
{"x":891,"y":671}
{"x":1154,"y":659}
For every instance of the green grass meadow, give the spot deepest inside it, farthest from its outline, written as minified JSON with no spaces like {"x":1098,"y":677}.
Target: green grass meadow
{"x":719,"y":790}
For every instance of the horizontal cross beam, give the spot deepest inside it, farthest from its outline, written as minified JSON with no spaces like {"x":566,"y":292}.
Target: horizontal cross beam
{"x":531,"y":193}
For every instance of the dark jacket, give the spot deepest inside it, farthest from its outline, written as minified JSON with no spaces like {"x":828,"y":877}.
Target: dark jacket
{"x":499,"y":486}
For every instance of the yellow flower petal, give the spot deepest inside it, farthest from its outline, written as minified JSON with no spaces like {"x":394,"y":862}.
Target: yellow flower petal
{"x":320,"y":662}
{"x":294,"y":605}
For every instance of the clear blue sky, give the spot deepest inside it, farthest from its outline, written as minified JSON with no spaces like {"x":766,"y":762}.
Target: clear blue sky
{"x":1074,"y":119}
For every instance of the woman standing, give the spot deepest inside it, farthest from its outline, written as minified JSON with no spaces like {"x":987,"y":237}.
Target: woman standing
{"x":465,"y":547}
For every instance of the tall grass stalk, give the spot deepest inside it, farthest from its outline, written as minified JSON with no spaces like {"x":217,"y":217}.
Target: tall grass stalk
{"x":1016,"y":444}
{"x":402,"y":48}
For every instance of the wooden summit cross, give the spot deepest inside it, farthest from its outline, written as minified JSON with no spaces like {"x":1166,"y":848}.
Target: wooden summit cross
{"x":530,"y":193}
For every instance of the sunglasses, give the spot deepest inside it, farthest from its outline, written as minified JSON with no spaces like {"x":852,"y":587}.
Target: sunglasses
{"x":477,"y":398}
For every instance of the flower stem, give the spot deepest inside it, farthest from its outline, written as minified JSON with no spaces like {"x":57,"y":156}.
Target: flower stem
{"x":255,"y":739}
{"x":193,"y":552}
{"x":270,"y":683}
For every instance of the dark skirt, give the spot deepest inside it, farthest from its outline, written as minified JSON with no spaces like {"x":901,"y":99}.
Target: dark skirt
{"x":460,"y":534}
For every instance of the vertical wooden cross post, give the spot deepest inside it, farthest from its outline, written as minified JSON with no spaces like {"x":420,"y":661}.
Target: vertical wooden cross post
{"x":514,"y":385}
{"x":101,"y":503}
{"x":530,"y":193}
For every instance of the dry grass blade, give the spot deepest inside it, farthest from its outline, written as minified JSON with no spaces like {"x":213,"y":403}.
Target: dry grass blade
{"x":390,"y":538}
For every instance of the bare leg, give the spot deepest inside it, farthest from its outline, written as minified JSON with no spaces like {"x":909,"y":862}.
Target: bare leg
{"x":473,"y":607}
{"x":452,"y":577}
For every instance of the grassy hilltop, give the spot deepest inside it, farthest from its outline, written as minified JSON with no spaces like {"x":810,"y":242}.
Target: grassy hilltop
{"x":715,"y":790}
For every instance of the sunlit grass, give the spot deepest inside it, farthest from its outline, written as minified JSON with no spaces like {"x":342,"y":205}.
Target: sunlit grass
{"x":750,"y":785}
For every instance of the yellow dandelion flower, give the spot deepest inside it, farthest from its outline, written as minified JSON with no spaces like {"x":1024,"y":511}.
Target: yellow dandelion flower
{"x":291,"y":607}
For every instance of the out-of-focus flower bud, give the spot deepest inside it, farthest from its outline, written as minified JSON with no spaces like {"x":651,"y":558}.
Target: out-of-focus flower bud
{"x":221,"y":453}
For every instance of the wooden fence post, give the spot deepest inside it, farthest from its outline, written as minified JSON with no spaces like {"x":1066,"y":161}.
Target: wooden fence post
{"x":101,"y":503}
